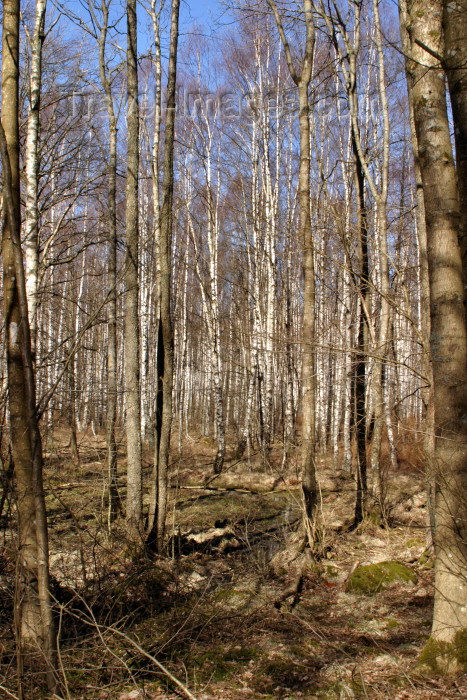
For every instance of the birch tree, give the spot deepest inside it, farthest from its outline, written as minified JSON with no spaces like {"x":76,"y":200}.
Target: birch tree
{"x":100,"y":32}
{"x":113,"y":497}
{"x":338,"y":26}
{"x":208,"y":144}
{"x":31,"y":233}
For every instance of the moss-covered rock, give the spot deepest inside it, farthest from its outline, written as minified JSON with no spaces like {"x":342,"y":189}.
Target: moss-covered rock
{"x":440,"y":657}
{"x":372,"y":578}
{"x":426,"y":561}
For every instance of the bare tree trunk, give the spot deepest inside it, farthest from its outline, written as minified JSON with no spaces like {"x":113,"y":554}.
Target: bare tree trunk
{"x":360,"y":369}
{"x":445,"y":649}
{"x":31,"y":233}
{"x":34,"y":612}
{"x":425,"y":321}
{"x":155,"y":13}
{"x":309,"y":484}
{"x":302,"y":81}
{"x":382,"y":246}
{"x":348,"y":54}
{"x":113,"y":496}
{"x":156,"y":525}
{"x":455,"y":61}
{"x":132,"y":388}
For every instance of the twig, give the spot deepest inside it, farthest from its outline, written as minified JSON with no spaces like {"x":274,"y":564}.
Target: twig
{"x":10,"y":694}
{"x":155,"y":661}
{"x":363,"y":682}
{"x":111,"y":629}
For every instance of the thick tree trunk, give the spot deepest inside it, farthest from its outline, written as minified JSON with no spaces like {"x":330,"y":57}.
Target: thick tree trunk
{"x":34,"y":612}
{"x":446,"y":647}
{"x":428,"y":428}
{"x":455,"y":61}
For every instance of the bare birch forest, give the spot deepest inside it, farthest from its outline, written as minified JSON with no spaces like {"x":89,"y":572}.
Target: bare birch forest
{"x":234,"y":265}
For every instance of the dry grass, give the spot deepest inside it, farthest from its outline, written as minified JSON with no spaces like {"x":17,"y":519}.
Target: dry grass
{"x":212,"y":620}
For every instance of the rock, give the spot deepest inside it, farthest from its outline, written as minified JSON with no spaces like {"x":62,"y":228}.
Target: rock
{"x":407,"y":514}
{"x":418,"y":500}
{"x":345,"y":691}
{"x":135,"y":694}
{"x":194,"y":580}
{"x":384,"y":660}
{"x":372,"y":541}
{"x":290,"y":557}
{"x":372,"y":578}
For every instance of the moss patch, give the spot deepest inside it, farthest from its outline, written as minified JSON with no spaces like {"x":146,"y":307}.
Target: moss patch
{"x":372,"y":578}
{"x":391,"y":623}
{"x":446,"y":657}
{"x":218,"y":665}
{"x":426,"y":561}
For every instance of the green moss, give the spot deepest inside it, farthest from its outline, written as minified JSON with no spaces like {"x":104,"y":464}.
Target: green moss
{"x":374,"y":518}
{"x":217,"y":665}
{"x":371,"y":578}
{"x":228,"y":594}
{"x":414,"y":542}
{"x":446,"y":657}
{"x":391,"y":623}
{"x":77,"y":677}
{"x":426,"y":561}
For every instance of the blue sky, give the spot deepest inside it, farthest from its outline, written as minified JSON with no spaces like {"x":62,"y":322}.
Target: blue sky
{"x":201,"y":10}
{"x":212,"y":14}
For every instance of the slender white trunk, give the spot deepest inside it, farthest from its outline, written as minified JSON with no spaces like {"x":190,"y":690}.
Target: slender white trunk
{"x":31,"y":233}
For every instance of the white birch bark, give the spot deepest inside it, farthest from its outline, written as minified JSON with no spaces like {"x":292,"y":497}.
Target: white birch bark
{"x":31,"y":232}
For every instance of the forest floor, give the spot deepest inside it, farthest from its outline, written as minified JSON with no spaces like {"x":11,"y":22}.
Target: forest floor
{"x":215,"y":611}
